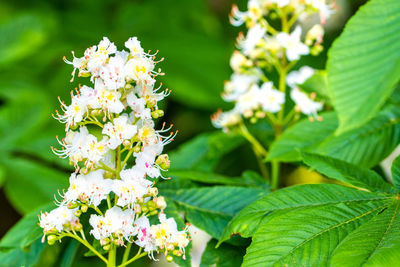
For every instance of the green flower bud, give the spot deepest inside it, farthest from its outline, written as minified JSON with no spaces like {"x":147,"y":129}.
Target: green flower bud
{"x":175,"y":252}
{"x":51,"y":239}
{"x":157,"y":113}
{"x":107,"y":247}
{"x":169,"y":258}
{"x":72,"y":205}
{"x":84,"y":208}
{"x":78,"y":227}
{"x":78,"y":213}
{"x":163,"y":161}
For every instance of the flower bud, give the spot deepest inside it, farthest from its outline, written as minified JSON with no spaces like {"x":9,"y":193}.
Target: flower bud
{"x":72,"y":205}
{"x":137,"y":148}
{"x":153,"y":191}
{"x":77,"y":213}
{"x":84,"y":208}
{"x":51,"y":239}
{"x":160,"y":202}
{"x":108,"y":175}
{"x":145,"y":209}
{"x":127,"y":143}
{"x":77,"y":227}
{"x":157,"y":113}
{"x":169,"y":258}
{"x":104,"y":241}
{"x":128,"y":86}
{"x":163,"y":161}
{"x":175,"y":252}
{"x":154,"y":212}
{"x":107,"y":247}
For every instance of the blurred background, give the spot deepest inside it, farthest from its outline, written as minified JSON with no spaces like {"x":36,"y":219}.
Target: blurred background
{"x":194,"y":36}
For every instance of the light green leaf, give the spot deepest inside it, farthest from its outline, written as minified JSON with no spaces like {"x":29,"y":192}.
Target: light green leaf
{"x":21,"y":36}
{"x":204,"y":151}
{"x":368,"y":145}
{"x":302,"y":137}
{"x":42,"y":183}
{"x":211,"y":208}
{"x":307,"y":236}
{"x":246,"y":222}
{"x":223,"y":256}
{"x":396,"y":173}
{"x":346,"y":172}
{"x":364,"y":63}
{"x":376,"y":243}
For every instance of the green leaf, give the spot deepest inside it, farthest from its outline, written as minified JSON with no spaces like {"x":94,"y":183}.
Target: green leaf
{"x":25,"y":232}
{"x":69,"y":254}
{"x":30,"y":185}
{"x":376,"y":243}
{"x":368,"y":145}
{"x":21,"y":36}
{"x":246,"y":222}
{"x":310,"y":234}
{"x":223,"y":256}
{"x":18,"y":257}
{"x":346,"y":172}
{"x":396,"y":173}
{"x":364,"y":63}
{"x":302,"y":137}
{"x":249,"y":178}
{"x":204,"y":151}
{"x":211,"y":208}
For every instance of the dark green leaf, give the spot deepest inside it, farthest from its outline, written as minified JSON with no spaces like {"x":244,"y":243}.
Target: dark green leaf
{"x":224,"y":256}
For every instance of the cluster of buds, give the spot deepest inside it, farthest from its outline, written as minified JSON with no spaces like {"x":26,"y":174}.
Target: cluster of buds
{"x":112,"y":142}
{"x":266,"y":48}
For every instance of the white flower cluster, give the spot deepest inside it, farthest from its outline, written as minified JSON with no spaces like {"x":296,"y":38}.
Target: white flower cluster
{"x":264,"y":47}
{"x":109,"y":126}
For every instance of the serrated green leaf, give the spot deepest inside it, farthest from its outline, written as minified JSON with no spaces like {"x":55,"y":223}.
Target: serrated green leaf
{"x":223,"y":256}
{"x":310,"y":233}
{"x":375,"y":243}
{"x":368,"y":145}
{"x":364,"y":63}
{"x":346,"y":172}
{"x":259,"y":212}
{"x":211,"y":208}
{"x":302,"y":137}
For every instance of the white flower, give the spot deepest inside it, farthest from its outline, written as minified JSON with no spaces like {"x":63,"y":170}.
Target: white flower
{"x":139,"y":69}
{"x":138,"y":106}
{"x":119,"y":130}
{"x":304,"y":103}
{"x":254,"y":35}
{"x":73,"y":145}
{"x":98,"y":187}
{"x":238,"y":85}
{"x":226,"y":119}
{"x":238,"y":61}
{"x":78,"y":188}
{"x":133,"y":44}
{"x":73,"y":113}
{"x":249,"y":101}
{"x":93,"y":150}
{"x":325,"y":10}
{"x":57,"y":218}
{"x":132,"y":186}
{"x":291,"y":42}
{"x":144,"y":237}
{"x":115,"y":221}
{"x":107,"y":100}
{"x":166,"y":234}
{"x":271,"y":99}
{"x":113,"y":74}
{"x":299,"y":77}
{"x":280,"y":3}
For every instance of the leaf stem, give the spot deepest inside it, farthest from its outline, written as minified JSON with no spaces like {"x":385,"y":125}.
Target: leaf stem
{"x":112,"y":256}
{"x":126,"y":252}
{"x":137,"y":256}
